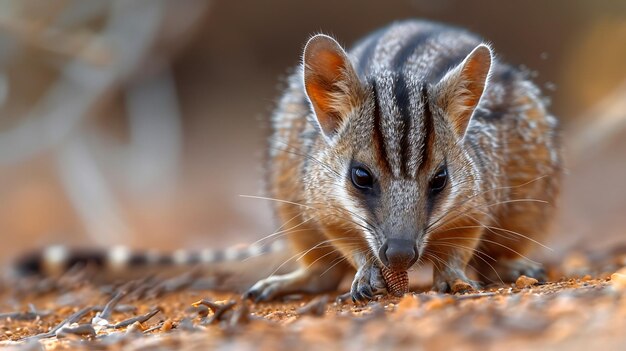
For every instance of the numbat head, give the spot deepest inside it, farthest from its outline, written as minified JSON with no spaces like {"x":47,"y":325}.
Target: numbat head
{"x":395,"y":143}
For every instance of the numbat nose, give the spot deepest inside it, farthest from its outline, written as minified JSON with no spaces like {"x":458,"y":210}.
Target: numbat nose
{"x":398,"y":254}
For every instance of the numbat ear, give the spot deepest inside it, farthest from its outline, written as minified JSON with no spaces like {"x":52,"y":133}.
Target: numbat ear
{"x":330,"y":82}
{"x":460,"y":90}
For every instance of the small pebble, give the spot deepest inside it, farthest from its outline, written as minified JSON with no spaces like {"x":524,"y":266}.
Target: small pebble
{"x":525,"y":282}
{"x":618,"y":279}
{"x":167,"y":325}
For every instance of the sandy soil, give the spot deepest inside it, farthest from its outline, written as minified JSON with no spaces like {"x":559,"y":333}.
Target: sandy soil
{"x":583,"y":305}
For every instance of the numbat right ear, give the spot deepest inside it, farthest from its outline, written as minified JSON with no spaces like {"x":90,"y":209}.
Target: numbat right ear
{"x":330,"y":82}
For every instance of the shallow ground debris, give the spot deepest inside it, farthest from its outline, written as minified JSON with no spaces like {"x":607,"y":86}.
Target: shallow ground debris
{"x":572,"y":313}
{"x":525,"y":282}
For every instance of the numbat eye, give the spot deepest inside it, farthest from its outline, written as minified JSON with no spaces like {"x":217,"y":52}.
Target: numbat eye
{"x":439,"y":181}
{"x":362,"y":178}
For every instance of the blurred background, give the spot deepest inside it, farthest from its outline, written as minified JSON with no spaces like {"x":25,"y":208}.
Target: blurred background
{"x":141,"y":122}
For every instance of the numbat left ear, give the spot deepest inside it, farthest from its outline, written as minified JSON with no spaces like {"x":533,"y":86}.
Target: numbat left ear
{"x":460,"y":90}
{"x":330,"y":82}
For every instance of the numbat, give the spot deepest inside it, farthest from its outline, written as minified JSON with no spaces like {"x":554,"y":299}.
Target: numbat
{"x":416,"y":145}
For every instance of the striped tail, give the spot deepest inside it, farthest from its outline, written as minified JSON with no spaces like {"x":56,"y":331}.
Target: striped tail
{"x":121,"y":261}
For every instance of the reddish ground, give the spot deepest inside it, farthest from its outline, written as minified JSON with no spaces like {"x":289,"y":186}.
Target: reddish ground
{"x":588,"y":308}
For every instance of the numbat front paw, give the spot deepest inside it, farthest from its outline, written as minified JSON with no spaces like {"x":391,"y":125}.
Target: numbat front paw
{"x":453,"y":281}
{"x":368,"y":282}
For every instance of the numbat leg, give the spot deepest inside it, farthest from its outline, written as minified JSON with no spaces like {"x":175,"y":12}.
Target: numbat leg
{"x":450,"y":253}
{"x":311,"y":280}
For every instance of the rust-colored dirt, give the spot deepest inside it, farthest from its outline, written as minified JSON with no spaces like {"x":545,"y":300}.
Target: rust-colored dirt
{"x":588,"y":307}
